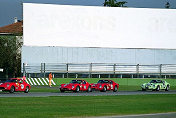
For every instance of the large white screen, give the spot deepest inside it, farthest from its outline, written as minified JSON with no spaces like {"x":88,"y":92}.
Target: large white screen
{"x":87,"y":26}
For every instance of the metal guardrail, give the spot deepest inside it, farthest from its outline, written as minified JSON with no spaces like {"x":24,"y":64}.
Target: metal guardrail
{"x":99,"y":68}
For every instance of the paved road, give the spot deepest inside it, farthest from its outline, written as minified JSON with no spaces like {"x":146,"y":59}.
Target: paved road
{"x":156,"y":115}
{"x":94,"y":93}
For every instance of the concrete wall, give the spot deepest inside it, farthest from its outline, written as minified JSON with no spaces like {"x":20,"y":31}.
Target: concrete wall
{"x":46,"y":54}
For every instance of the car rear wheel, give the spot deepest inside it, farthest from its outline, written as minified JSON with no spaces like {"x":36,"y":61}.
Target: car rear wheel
{"x":104,"y":89}
{"x":167,"y":88}
{"x":158,"y":88}
{"x":62,"y":91}
{"x":12,"y":89}
{"x":115,"y":89}
{"x":89,"y":89}
{"x":143,"y":89}
{"x":27,"y":89}
{"x":77,"y":89}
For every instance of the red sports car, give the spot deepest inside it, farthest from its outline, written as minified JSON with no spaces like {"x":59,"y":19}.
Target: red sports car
{"x":15,"y":84}
{"x":105,"y":85}
{"x":76,"y":86}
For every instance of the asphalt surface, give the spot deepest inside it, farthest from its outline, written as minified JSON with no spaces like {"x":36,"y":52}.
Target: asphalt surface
{"x":94,"y":93}
{"x":156,"y":115}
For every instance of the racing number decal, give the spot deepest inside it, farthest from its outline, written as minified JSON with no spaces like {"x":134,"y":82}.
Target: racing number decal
{"x":17,"y":84}
{"x":22,"y":86}
{"x":84,"y":87}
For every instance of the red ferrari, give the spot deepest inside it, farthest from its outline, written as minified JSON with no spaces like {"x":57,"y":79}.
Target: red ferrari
{"x":76,"y":86}
{"x":105,"y":85}
{"x":15,"y":84}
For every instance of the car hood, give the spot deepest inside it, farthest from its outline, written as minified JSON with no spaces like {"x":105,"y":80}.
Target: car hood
{"x":5,"y":83}
{"x":149,"y":84}
{"x":68,"y":85}
{"x":98,"y":84}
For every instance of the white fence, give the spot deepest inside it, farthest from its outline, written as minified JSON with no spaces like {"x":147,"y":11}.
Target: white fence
{"x":98,"y":68}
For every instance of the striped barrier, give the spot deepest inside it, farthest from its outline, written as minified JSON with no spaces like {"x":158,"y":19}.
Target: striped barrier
{"x":39,"y":81}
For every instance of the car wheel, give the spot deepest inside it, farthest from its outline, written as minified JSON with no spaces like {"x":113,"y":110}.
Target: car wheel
{"x":143,"y":89}
{"x":104,"y":89}
{"x":62,"y":91}
{"x":27,"y":89}
{"x":77,"y":89}
{"x":89,"y":89}
{"x":158,"y":88}
{"x":12,"y":89}
{"x":167,"y":88}
{"x":115,"y":89}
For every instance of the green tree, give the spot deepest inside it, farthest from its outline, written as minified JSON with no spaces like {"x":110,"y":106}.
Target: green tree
{"x":114,"y":3}
{"x":10,"y":56}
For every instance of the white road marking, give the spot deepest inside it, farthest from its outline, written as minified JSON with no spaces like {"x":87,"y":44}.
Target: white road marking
{"x":44,"y":81}
{"x":128,"y":116}
{"x":53,"y":82}
{"x":47,"y":80}
{"x":26,"y":81}
{"x":33,"y":81}
{"x":30,"y":81}
{"x":37,"y":81}
{"x":40,"y":81}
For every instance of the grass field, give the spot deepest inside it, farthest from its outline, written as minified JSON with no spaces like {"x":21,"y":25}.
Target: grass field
{"x":123,"y":81}
{"x":82,"y":106}
{"x":125,"y":84}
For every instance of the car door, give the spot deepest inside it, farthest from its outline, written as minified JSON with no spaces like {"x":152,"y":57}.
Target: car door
{"x":111,"y":85}
{"x":17,"y":85}
{"x":164,"y":85}
{"x":84,"y":85}
{"x":108,"y":85}
{"x":22,"y":85}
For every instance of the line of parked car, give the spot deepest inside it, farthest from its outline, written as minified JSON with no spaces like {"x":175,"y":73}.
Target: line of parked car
{"x":18,"y":84}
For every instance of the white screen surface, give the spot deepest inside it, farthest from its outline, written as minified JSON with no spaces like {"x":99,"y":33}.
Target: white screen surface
{"x":88,"y":26}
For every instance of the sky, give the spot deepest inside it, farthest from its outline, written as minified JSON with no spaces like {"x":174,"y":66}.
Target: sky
{"x":13,"y":8}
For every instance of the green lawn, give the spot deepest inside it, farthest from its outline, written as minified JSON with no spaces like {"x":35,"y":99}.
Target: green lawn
{"x":123,"y":81}
{"x":124,"y":84}
{"x":82,"y":106}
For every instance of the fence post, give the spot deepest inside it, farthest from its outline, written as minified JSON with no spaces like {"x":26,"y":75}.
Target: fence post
{"x":24,"y":70}
{"x":44,"y":70}
{"x":137,"y":70}
{"x":67,"y":69}
{"x":41,"y":70}
{"x":160,"y":70}
{"x":114,"y":69}
{"x":90,"y":70}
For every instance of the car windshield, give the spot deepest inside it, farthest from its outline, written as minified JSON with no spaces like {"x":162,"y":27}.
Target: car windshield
{"x":155,"y":81}
{"x":103,"y":81}
{"x":76,"y":81}
{"x":11,"y":80}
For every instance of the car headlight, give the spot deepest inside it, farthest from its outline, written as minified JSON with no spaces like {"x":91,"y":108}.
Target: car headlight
{"x":100,"y":86}
{"x":73,"y":87}
{"x":8,"y":85}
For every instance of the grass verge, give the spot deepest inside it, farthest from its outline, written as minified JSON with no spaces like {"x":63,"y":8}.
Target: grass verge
{"x":126,"y":84}
{"x":83,"y":106}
